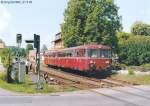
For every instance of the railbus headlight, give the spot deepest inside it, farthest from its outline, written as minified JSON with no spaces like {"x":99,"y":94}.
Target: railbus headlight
{"x":92,"y":62}
{"x":107,"y":62}
{"x":92,"y":65}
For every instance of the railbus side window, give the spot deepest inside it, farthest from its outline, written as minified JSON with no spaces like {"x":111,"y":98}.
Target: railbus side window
{"x":68,"y":53}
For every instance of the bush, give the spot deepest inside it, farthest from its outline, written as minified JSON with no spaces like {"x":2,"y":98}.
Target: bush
{"x":135,"y":50}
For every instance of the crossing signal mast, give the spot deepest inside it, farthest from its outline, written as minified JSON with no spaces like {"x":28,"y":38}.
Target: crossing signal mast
{"x":19,"y":41}
{"x":37,"y":46}
{"x":36,"y":43}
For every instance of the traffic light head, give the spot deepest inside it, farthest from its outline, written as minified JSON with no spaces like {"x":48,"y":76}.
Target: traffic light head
{"x":19,"y":38}
{"x":37,"y":42}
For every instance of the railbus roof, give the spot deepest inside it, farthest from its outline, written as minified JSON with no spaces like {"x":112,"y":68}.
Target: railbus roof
{"x":90,"y":46}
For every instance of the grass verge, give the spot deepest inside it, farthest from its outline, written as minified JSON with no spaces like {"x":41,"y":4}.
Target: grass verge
{"x":138,"y":79}
{"x":29,"y":87}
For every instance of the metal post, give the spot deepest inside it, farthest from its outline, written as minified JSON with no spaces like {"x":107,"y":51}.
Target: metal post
{"x":37,"y":46}
{"x":36,"y":42}
{"x":38,"y":66}
{"x":38,"y":62}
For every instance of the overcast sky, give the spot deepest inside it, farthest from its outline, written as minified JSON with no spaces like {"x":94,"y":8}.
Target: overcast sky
{"x":44,"y":17}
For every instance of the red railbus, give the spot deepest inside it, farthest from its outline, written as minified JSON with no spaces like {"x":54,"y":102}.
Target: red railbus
{"x":82,"y":58}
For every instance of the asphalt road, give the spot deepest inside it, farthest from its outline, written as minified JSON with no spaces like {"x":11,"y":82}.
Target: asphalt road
{"x":128,"y":96}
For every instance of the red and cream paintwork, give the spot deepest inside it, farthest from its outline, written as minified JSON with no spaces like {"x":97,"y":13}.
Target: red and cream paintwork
{"x":83,"y":62}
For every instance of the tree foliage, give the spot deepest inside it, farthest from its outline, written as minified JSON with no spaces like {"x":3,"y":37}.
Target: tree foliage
{"x":6,"y":56}
{"x":18,"y":51}
{"x":140,"y":28}
{"x":28,"y":48}
{"x":135,"y":50}
{"x":123,"y":36}
{"x":90,"y":21}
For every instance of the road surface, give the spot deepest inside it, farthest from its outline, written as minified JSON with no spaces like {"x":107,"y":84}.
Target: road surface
{"x":121,"y":96}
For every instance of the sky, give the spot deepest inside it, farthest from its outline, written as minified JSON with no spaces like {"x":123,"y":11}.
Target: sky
{"x":44,"y":17}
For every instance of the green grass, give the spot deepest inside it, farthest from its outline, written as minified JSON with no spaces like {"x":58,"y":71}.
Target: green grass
{"x":138,"y":79}
{"x":142,"y":68}
{"x":29,"y":87}
{"x":131,"y":72}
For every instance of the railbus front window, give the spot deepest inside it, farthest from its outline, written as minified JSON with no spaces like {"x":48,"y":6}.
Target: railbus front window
{"x":99,"y":53}
{"x":105,"y":53}
{"x":93,"y":53}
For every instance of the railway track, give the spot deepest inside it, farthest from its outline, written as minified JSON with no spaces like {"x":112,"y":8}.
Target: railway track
{"x":122,"y":81}
{"x":86,"y":82}
{"x":83,"y":83}
{"x":63,"y":81}
{"x":71,"y":81}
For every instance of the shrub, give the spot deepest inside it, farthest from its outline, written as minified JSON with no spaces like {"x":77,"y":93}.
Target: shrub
{"x":135,"y":50}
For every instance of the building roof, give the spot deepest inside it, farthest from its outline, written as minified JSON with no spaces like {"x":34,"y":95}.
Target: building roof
{"x":57,"y":37}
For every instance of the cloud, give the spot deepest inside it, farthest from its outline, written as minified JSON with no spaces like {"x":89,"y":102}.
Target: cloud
{"x":4,"y":18}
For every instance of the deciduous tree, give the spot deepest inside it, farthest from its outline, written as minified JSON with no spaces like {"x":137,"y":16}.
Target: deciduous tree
{"x":91,"y":21}
{"x":44,"y":48}
{"x":140,"y":28}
